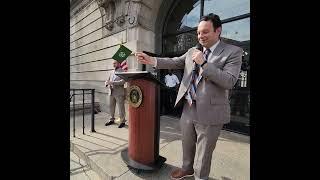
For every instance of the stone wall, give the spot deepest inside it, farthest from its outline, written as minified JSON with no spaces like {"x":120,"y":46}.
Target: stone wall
{"x":97,"y":28}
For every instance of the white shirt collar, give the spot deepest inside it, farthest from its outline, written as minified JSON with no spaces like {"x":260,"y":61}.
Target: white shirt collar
{"x":213,"y":46}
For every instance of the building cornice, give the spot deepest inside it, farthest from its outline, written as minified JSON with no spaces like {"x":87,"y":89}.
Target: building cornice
{"x":78,"y":5}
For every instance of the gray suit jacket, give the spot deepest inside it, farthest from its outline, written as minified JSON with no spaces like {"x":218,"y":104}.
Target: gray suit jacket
{"x":117,"y":87}
{"x":219,"y":75}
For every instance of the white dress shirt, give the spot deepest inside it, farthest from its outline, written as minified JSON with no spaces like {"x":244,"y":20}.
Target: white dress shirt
{"x":171,"y":80}
{"x":212,"y":48}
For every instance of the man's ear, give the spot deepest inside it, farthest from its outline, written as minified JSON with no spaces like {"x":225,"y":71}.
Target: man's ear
{"x":219,"y":29}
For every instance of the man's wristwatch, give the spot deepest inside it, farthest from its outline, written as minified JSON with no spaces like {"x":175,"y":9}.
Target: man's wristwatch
{"x":203,"y":63}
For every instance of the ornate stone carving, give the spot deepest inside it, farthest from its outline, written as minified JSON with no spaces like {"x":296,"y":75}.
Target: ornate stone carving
{"x":118,"y":15}
{"x":77,"y":6}
{"x":120,"y":20}
{"x":109,"y":16}
{"x":109,"y":25}
{"x":107,"y":9}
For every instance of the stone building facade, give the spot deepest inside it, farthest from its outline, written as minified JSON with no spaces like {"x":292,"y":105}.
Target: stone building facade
{"x":162,"y":27}
{"x":97,"y":28}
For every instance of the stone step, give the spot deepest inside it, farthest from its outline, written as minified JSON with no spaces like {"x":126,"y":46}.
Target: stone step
{"x":102,"y":150}
{"x":79,"y":170}
{"x":89,"y":162}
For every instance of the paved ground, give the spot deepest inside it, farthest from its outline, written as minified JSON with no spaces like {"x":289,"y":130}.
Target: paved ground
{"x":100,"y":152}
{"x":79,"y":169}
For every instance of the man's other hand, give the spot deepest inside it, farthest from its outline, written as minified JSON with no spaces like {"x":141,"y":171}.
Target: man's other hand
{"x":144,"y":58}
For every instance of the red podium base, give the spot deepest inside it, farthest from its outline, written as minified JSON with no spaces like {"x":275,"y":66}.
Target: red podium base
{"x":142,"y":167}
{"x":144,"y":122}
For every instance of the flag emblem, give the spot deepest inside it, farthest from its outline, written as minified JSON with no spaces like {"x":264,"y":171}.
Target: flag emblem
{"x":121,"y":54}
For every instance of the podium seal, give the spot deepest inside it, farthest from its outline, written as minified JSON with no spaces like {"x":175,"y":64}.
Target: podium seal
{"x":134,"y":96}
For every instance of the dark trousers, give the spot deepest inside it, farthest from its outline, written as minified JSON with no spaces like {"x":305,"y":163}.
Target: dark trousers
{"x":170,"y":98}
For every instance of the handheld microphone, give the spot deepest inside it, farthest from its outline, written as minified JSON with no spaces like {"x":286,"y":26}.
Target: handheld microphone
{"x":200,"y":48}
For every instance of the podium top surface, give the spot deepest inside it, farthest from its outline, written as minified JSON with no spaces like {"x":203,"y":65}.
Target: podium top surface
{"x":132,"y":75}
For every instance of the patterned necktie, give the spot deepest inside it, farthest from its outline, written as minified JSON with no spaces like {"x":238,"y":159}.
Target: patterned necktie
{"x":206,"y":53}
{"x":191,"y":95}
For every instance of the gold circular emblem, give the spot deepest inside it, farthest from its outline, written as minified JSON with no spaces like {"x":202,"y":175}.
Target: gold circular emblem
{"x":134,"y":96}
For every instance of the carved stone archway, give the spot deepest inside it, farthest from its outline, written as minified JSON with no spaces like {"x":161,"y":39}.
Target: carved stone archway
{"x":107,"y":9}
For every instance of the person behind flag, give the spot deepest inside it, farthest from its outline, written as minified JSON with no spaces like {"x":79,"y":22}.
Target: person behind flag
{"x":209,"y":73}
{"x":116,"y":94}
{"x":124,"y":65}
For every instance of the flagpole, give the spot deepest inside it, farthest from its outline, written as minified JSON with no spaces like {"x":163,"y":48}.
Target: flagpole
{"x":121,"y":39}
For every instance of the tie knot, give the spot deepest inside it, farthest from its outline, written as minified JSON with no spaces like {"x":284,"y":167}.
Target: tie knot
{"x":207,"y":51}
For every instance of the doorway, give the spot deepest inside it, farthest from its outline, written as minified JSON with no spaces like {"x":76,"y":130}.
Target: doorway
{"x":179,"y":33}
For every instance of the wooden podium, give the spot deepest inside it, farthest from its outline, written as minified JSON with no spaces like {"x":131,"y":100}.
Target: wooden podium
{"x":144,"y":121}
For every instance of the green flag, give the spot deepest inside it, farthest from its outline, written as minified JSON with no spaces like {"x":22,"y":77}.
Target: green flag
{"x":122,"y":54}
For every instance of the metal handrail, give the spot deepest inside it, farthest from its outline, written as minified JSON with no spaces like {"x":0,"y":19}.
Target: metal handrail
{"x":72,"y":96}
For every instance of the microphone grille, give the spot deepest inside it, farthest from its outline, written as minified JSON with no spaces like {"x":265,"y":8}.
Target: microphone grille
{"x":199,"y":47}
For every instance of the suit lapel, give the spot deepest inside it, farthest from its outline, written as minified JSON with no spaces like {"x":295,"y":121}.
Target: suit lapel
{"x":217,"y":51}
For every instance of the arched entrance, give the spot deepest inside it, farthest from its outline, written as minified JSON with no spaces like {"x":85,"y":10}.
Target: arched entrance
{"x":176,"y":32}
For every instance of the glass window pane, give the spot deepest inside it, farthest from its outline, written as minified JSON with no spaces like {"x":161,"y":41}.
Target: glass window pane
{"x":238,"y":33}
{"x":185,"y":16}
{"x":227,"y":8}
{"x":180,"y":43}
{"x":237,"y":30}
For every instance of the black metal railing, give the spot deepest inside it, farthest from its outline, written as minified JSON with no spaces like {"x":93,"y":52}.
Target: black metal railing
{"x":72,"y":97}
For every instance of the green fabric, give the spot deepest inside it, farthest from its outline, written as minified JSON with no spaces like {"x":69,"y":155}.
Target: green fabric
{"x":122,"y":54}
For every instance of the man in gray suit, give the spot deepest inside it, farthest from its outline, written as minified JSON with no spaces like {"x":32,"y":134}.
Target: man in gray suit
{"x":208,"y":75}
{"x":117,"y":94}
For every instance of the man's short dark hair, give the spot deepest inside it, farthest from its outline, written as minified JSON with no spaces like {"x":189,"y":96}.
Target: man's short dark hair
{"x":215,"y":19}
